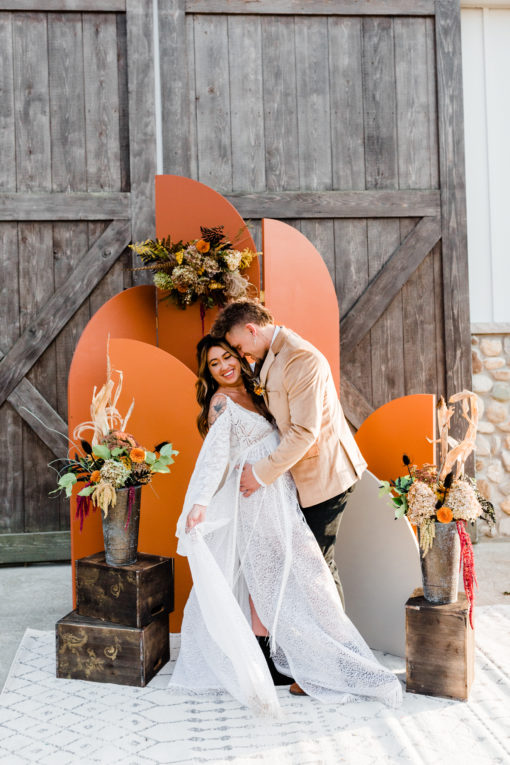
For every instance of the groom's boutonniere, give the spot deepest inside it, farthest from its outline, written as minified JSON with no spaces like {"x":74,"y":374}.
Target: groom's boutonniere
{"x":258,"y":388}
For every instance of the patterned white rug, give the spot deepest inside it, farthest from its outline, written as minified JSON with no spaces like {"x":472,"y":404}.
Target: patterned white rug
{"x":46,"y":720}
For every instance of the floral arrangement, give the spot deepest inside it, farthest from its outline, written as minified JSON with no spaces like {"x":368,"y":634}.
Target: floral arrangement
{"x":206,"y":270}
{"x":113,"y":459}
{"x":428,"y":494}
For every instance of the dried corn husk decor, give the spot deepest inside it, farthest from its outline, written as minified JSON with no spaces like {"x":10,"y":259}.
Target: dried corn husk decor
{"x":460,"y":451}
{"x":104,"y":415}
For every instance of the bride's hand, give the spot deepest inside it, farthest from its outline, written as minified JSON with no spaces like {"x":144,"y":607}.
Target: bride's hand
{"x":195,"y":515}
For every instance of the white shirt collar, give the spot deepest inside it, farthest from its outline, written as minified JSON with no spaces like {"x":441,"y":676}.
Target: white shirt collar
{"x":276,"y":330}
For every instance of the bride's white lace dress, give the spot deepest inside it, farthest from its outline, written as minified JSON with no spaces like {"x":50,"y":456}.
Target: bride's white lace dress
{"x":261,"y":546}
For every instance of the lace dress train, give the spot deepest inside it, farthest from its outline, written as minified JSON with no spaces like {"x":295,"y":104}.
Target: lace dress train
{"x":261,"y":546}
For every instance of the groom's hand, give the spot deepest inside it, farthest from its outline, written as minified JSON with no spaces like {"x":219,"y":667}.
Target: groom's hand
{"x":249,"y":483}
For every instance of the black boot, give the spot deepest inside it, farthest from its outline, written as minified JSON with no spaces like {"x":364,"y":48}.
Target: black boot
{"x":278,"y":678}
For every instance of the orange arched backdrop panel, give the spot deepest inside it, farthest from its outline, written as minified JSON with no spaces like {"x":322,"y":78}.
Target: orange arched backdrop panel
{"x":128,"y":314}
{"x":299,"y":290}
{"x":401,"y":426}
{"x":182,"y":206}
{"x":165,"y":409}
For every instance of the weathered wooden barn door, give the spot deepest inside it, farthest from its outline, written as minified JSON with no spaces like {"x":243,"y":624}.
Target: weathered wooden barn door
{"x":343,"y":117}
{"x":72,"y":168}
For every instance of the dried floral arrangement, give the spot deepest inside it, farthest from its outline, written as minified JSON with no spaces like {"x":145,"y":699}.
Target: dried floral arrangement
{"x":206,"y":270}
{"x":113,"y":458}
{"x":428,"y":494}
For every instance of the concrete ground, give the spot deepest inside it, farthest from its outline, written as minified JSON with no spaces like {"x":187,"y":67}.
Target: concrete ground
{"x":38,"y":595}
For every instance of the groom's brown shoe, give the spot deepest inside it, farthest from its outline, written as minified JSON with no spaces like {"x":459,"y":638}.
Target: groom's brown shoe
{"x":296,"y":690}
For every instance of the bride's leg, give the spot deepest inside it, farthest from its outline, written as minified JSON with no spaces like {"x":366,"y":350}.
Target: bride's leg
{"x":256,"y":625}
{"x":262,"y":634}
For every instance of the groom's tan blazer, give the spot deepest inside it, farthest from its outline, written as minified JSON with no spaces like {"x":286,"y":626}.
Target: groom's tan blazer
{"x":316,"y":444}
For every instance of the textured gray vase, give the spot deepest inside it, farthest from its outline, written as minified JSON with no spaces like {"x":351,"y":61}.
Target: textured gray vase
{"x":120,"y":528}
{"x":440,"y":566}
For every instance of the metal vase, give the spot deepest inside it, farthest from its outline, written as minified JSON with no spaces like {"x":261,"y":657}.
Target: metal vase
{"x":120,"y":528}
{"x":440,"y":566}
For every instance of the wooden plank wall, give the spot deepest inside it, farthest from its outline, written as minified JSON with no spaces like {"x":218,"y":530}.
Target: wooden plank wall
{"x":343,"y":118}
{"x":64,"y":128}
{"x":284,"y":101}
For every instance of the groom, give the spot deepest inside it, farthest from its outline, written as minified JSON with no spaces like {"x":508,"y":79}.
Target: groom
{"x":316,"y":444}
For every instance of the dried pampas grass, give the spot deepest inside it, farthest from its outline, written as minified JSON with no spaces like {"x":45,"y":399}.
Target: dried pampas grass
{"x":104,"y":415}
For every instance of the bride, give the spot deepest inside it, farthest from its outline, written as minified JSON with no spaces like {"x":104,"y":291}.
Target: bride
{"x":256,"y":566}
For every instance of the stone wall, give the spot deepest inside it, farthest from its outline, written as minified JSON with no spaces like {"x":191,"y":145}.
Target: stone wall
{"x":491,"y":383}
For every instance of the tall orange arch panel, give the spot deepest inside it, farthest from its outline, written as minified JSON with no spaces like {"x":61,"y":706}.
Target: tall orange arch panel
{"x":405,"y":425}
{"x":182,"y":206}
{"x":165,"y":409}
{"x":128,"y":314}
{"x":299,"y":290}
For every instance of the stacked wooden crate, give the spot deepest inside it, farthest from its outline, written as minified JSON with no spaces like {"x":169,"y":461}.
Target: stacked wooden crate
{"x":119,"y":632}
{"x":440,"y":648}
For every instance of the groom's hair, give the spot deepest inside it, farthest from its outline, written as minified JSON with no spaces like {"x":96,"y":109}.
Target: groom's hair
{"x":241,"y":312}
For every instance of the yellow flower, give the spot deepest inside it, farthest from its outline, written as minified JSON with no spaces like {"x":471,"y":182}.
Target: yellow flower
{"x":215,"y":286}
{"x":247,"y":256}
{"x":179,"y":256}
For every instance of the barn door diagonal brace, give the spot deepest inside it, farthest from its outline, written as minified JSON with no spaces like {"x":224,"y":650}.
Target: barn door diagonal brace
{"x":388,"y":282}
{"x":24,"y":397}
{"x":63,"y":304}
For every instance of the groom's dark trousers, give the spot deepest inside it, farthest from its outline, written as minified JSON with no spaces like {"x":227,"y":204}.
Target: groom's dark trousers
{"x":324,"y":520}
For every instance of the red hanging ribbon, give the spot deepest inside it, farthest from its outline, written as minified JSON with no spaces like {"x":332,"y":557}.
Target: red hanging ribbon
{"x":83,"y":507}
{"x":467,"y":561}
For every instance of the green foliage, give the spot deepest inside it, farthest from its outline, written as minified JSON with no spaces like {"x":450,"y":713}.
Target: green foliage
{"x":156,"y":250}
{"x":398,"y":493}
{"x":102,"y":451}
{"x":159,"y":467}
{"x":67,"y":482}
{"x":168,"y":451}
{"x":86,"y":491}
{"x":384,"y":488}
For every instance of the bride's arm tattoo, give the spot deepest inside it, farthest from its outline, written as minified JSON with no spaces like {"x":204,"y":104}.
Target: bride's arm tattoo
{"x":217,"y":406}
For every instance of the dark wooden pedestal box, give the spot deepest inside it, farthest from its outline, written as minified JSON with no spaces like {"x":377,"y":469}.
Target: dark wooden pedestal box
{"x":439,"y":648}
{"x":89,"y":649}
{"x":130,"y":595}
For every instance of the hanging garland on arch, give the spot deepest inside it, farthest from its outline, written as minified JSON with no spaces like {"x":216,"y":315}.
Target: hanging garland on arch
{"x":208,"y":270}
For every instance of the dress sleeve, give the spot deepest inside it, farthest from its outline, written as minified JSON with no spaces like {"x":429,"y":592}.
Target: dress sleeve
{"x":213,"y":460}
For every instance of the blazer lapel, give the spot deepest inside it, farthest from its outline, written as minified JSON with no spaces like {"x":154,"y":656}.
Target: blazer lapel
{"x":270,"y":357}
{"x":272,"y":354}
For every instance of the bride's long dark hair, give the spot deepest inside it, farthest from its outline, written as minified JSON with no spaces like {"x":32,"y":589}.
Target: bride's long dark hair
{"x":207,"y":386}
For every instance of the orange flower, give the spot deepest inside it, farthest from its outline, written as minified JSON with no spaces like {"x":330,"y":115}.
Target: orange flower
{"x":203,"y":246}
{"x":137,"y":455}
{"x":444,"y":514}
{"x":95,"y":476}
